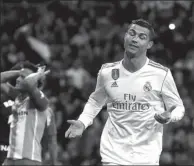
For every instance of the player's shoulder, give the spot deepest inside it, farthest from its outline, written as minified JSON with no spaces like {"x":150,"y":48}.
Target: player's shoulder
{"x":157,"y":66}
{"x":108,"y":67}
{"x":111,"y":65}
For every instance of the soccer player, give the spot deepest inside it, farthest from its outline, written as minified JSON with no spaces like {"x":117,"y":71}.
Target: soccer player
{"x":30,"y":116}
{"x":4,"y":127}
{"x":5,"y":107}
{"x":141,"y":96}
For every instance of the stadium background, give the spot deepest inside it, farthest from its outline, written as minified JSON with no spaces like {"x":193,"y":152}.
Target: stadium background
{"x":74,"y":38}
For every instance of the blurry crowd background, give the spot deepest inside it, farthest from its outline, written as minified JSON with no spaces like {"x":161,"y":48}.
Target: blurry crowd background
{"x":74,"y":38}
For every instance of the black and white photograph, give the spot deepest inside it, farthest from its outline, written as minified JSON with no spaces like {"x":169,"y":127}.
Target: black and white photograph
{"x":97,"y":82}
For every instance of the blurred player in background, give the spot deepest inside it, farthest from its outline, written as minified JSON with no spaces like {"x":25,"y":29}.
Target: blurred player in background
{"x":141,"y":96}
{"x":4,"y":127}
{"x":30,"y":115}
{"x":5,"y":107}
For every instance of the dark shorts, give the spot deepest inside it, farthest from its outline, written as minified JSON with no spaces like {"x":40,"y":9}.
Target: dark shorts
{"x":9,"y":161}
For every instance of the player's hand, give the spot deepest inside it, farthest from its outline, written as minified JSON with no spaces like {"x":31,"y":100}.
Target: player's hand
{"x":40,"y":74}
{"x":75,"y":130}
{"x":31,"y":80}
{"x":164,"y":117}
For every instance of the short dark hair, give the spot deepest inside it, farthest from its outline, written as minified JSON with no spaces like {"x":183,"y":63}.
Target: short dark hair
{"x":25,"y":64}
{"x":144,"y":23}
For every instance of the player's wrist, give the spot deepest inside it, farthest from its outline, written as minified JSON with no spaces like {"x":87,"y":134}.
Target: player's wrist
{"x":163,"y":118}
{"x":16,"y":72}
{"x":168,"y":121}
{"x":82,"y":124}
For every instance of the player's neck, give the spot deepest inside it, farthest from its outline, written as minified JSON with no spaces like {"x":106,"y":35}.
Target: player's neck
{"x":133,"y":64}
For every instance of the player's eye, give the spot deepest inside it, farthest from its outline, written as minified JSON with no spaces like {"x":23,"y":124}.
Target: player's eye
{"x":131,"y":33}
{"x":143,"y":37}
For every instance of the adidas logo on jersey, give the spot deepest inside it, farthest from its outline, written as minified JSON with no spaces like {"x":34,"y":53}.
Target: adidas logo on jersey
{"x":114,"y":84}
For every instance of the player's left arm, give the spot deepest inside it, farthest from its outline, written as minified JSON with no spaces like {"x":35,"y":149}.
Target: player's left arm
{"x":52,"y":136}
{"x":38,"y":98}
{"x":29,"y":84}
{"x":173,"y":103}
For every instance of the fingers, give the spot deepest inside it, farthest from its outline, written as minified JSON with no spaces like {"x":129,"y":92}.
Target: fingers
{"x":71,"y":121}
{"x":69,"y":133}
{"x":41,"y":68}
{"x":41,"y":73}
{"x":161,"y":119}
{"x":158,"y":118}
{"x":47,"y":72}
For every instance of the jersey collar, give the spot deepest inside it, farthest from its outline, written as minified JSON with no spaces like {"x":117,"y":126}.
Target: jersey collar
{"x":131,"y":73}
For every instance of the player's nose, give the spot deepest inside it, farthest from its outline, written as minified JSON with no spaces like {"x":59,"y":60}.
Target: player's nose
{"x":134,"y":41}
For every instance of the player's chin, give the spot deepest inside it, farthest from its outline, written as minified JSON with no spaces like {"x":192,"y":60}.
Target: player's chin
{"x":132,"y":51}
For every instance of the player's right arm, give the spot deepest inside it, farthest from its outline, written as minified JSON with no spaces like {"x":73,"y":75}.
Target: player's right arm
{"x":8,"y":75}
{"x":93,"y":106}
{"x":95,"y":102}
{"x":7,"y":88}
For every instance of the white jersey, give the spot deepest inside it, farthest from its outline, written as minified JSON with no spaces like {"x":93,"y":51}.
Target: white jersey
{"x":131,"y":134}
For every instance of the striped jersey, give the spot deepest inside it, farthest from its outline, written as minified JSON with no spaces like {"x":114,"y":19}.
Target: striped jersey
{"x":27,"y":126}
{"x":131,"y":134}
{"x":5,"y":107}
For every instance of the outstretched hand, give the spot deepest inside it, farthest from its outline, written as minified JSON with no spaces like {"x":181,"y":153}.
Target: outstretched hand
{"x":75,"y":130}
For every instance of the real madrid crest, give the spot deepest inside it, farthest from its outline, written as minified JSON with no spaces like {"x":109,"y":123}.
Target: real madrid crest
{"x":147,"y":87}
{"x":115,"y":76}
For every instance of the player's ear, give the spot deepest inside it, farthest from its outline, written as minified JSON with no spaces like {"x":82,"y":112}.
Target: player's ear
{"x":150,"y":44}
{"x":125,"y":36}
